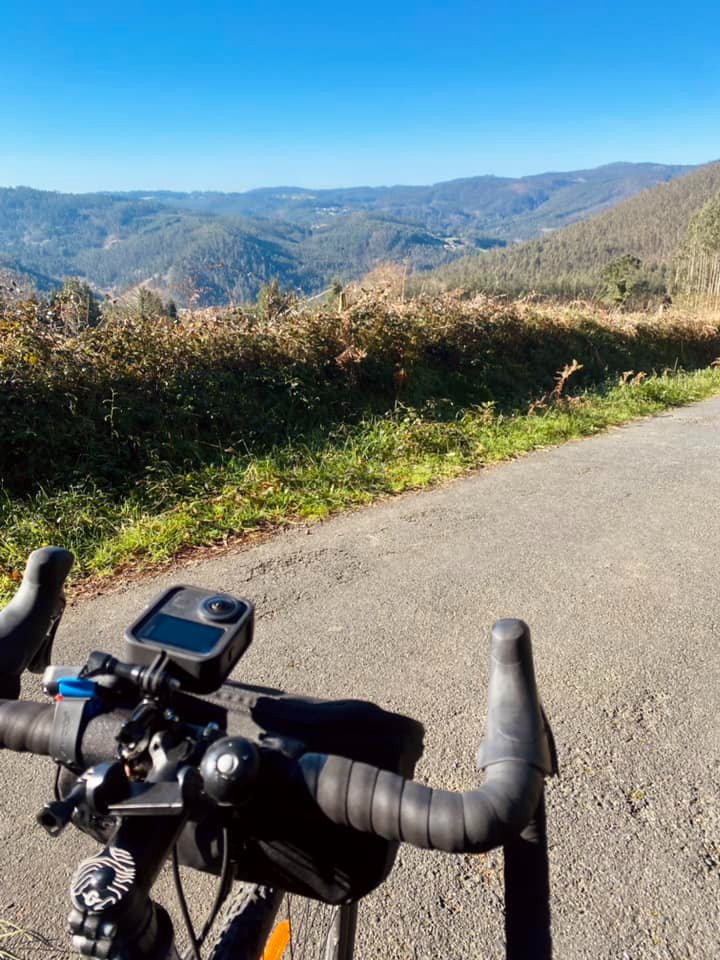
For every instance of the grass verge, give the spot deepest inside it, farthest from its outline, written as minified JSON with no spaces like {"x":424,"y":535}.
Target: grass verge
{"x":169,"y":511}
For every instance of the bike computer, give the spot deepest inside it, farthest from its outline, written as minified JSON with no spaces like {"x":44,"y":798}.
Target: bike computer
{"x":203,"y":635}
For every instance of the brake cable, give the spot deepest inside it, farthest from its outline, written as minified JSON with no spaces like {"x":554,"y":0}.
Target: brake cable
{"x":220,"y":896}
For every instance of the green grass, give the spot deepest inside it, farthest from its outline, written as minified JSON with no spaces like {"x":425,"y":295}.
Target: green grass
{"x":169,"y":511}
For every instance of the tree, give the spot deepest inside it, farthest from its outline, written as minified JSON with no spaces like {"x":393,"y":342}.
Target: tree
{"x":337,"y":297}
{"x":621,"y":277}
{"x":75,"y":306}
{"x":697,"y":273}
{"x":148,"y":305}
{"x":272,"y":301}
{"x":704,"y":226}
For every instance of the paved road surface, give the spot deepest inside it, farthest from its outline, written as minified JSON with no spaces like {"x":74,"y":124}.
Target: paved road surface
{"x":609,"y":549}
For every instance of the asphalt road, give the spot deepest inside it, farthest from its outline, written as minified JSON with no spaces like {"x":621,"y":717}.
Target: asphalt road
{"x":609,"y":548}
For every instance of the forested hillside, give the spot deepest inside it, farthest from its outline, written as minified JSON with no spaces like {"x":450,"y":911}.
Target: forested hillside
{"x":650,"y":227}
{"x":210,"y":248}
{"x":116,"y":242}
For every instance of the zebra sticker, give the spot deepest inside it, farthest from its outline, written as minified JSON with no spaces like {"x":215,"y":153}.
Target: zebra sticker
{"x":101,"y":882}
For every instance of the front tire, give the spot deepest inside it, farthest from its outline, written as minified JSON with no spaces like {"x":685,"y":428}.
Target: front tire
{"x":317,"y":931}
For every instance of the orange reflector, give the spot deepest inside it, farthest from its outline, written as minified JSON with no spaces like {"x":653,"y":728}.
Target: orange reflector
{"x":279,"y":939}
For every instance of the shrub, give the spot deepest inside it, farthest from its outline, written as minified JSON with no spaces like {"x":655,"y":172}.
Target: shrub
{"x":107,"y":401}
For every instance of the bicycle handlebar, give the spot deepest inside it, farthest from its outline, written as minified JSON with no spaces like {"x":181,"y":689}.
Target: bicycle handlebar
{"x":27,"y":622}
{"x":516,"y":754}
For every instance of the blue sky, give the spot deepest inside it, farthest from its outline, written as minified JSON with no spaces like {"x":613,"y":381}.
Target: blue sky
{"x":235,"y":95}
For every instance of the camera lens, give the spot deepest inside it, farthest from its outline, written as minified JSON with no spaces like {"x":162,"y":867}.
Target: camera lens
{"x":220,"y":608}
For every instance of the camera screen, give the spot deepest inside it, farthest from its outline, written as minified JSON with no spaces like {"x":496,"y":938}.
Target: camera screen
{"x":181,"y":634}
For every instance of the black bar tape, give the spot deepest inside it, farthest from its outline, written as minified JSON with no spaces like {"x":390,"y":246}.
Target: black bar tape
{"x":447,"y":822}
{"x":482,"y":828}
{"x":415,"y":814}
{"x":386,"y":797}
{"x":380,"y":802}
{"x":361,"y":787}
{"x":332,"y":791}
{"x":311,"y":771}
{"x":26,"y":726}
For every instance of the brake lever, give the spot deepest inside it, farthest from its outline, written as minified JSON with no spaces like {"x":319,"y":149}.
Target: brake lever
{"x":43,"y":655}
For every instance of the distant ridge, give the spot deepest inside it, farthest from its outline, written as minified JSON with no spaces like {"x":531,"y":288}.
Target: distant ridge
{"x":506,"y":208}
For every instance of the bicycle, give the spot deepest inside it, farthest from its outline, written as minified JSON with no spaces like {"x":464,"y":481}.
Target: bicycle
{"x":159,"y":756}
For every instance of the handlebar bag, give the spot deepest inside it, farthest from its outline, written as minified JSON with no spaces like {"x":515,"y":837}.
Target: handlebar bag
{"x":279,"y":837}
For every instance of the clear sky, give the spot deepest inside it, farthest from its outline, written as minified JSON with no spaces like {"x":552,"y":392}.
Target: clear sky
{"x":234,"y":94}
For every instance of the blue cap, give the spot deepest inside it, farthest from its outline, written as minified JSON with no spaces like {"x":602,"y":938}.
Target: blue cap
{"x":72,"y":687}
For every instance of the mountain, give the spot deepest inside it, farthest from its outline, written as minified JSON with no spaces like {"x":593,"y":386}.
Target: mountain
{"x":215,"y":247}
{"x":649,"y":226}
{"x":500,"y":207}
{"x":116,"y":241}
